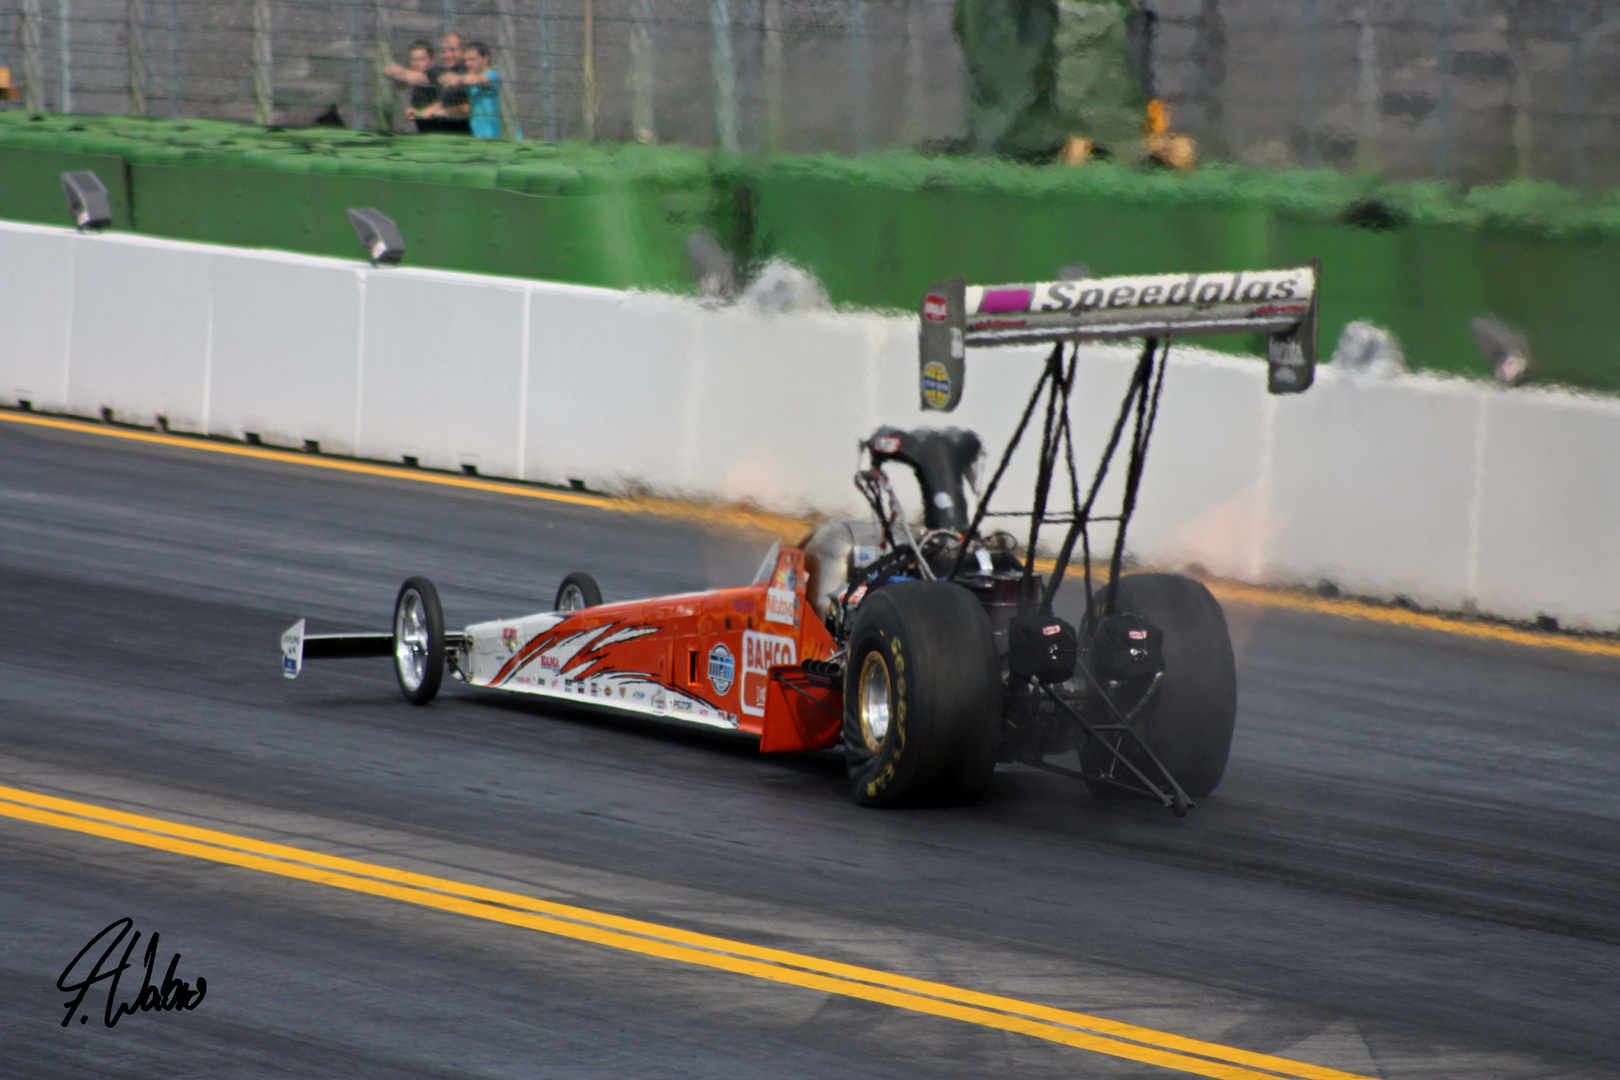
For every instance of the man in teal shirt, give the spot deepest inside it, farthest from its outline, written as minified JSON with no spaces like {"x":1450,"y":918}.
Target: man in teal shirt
{"x":483,"y":86}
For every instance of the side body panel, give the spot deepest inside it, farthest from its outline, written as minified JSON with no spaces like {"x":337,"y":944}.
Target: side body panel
{"x":701,"y":658}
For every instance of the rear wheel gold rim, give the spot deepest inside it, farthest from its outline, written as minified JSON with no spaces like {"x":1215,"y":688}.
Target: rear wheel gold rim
{"x":872,"y":700}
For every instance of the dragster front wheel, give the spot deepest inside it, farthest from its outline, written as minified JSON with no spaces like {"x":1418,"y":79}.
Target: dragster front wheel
{"x":418,"y":640}
{"x":922,"y":697}
{"x":1189,"y":725}
{"x":577,"y":592}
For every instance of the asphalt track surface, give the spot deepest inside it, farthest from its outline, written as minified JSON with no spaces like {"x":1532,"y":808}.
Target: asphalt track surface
{"x":1412,"y":868}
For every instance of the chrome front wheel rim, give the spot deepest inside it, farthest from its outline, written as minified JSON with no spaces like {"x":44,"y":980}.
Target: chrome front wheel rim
{"x":411,"y":641}
{"x":572,"y":599}
{"x":872,"y":701}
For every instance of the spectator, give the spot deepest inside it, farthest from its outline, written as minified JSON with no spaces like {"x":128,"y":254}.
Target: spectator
{"x":482,"y":85}
{"x":422,"y":76}
{"x":453,"y":105}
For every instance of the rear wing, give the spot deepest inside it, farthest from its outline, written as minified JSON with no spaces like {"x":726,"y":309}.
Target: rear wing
{"x":1278,"y":303}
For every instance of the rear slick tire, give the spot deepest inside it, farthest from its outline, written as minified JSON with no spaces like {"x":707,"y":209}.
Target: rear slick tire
{"x":1189,"y":727}
{"x":922,"y":697}
{"x":418,"y":640}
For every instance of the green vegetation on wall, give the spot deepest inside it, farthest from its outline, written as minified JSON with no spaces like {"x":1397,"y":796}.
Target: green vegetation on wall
{"x":1419,"y":259}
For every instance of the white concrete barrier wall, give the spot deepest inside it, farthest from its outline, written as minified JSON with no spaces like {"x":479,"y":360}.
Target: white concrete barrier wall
{"x":1452,"y":493}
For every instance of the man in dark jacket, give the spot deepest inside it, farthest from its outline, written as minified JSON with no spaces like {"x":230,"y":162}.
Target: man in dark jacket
{"x":1044,"y":72}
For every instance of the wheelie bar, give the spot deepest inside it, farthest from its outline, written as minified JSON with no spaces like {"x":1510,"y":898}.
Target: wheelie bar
{"x":1168,"y":793}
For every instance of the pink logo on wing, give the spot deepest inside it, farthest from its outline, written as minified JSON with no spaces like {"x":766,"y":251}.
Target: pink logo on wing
{"x":997,"y":301}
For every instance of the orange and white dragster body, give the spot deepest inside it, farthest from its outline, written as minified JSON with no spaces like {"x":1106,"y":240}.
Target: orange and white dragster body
{"x":725,"y":659}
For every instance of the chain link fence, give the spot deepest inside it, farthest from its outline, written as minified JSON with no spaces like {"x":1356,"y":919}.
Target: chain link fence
{"x":1466,"y":90}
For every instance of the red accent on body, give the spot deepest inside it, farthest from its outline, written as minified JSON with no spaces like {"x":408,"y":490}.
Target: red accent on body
{"x":803,"y":716}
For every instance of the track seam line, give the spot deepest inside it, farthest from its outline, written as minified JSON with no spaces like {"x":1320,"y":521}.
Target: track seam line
{"x":1077,"y":1029}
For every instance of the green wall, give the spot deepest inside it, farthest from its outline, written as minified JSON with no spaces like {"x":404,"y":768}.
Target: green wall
{"x":1419,"y":259}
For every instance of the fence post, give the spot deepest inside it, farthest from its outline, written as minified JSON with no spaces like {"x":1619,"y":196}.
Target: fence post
{"x":587,"y":79}
{"x":911,"y":124}
{"x":772,"y":18}
{"x":357,"y":63}
{"x":263,"y":90}
{"x":724,"y":70}
{"x":860,"y":77}
{"x":1367,"y":90}
{"x":642,"y":72}
{"x":382,"y":45}
{"x":1310,"y":64}
{"x":1209,"y":75}
{"x":64,"y":56}
{"x":1446,"y":104}
{"x":135,"y":17}
{"x":33,"y":69}
{"x":506,"y":48}
{"x":548,"y":93}
{"x":1521,"y":131}
{"x":1575,"y":87}
{"x":174,"y":58}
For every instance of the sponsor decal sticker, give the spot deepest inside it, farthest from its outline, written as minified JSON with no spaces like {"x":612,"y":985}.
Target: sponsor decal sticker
{"x":997,"y":301}
{"x":722,"y":669}
{"x":509,"y":638}
{"x":1056,"y":629}
{"x":292,"y":650}
{"x":935,"y":309}
{"x":1136,"y":635}
{"x":781,"y":605}
{"x":761,"y":652}
{"x":682,"y":705}
{"x":885,"y":444}
{"x":659,"y":702}
{"x":550,"y":662}
{"x":936,"y":384}
{"x":858,"y":595}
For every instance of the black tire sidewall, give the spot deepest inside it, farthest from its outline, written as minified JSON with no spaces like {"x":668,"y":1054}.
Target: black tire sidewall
{"x":1189,"y":727}
{"x":586,"y":585}
{"x":433,"y":616}
{"x":945,"y":695}
{"x":875,"y":777}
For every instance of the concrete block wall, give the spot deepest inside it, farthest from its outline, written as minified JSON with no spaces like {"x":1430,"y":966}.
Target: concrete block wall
{"x":1453,"y":493}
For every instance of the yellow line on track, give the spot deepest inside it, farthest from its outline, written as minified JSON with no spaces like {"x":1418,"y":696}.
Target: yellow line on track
{"x":1079,"y":1030}
{"x":1394,"y":616}
{"x":791,"y":529}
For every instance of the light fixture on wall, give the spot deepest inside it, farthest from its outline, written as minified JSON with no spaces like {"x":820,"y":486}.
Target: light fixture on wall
{"x":87,"y":200}
{"x":1504,"y":348}
{"x":379,"y":235}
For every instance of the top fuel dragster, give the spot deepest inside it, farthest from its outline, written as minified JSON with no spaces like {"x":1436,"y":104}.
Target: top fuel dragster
{"x":929,"y":654}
